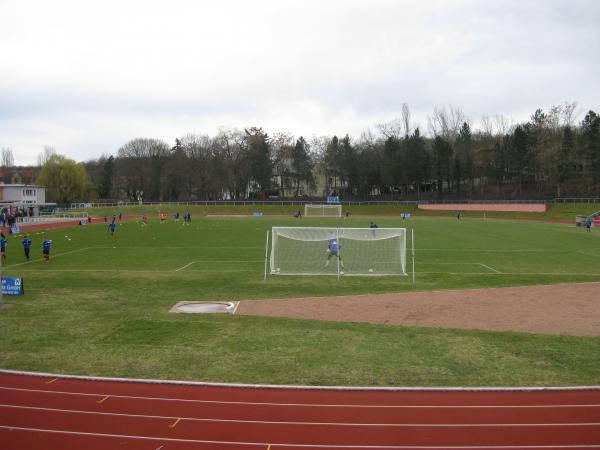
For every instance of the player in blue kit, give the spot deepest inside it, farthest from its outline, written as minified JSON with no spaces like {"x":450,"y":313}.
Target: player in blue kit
{"x":333,"y":249}
{"x":3,"y":246}
{"x":46,"y":249}
{"x":26,"y":246}
{"x":112,"y":228}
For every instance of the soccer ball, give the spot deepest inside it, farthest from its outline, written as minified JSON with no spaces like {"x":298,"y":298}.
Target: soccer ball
{"x":342,"y":273}
{"x":278,"y":269}
{"x":370,"y":270}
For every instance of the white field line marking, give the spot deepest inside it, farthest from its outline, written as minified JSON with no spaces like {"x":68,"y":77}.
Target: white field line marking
{"x":565,"y":274}
{"x":481,"y":250}
{"x":53,"y":256}
{"x":451,"y":263}
{"x":184,"y":267}
{"x":309,"y":405}
{"x":488,"y":267}
{"x":301,"y":423}
{"x":283,"y":444}
{"x":588,"y":253}
{"x":236,"y":307}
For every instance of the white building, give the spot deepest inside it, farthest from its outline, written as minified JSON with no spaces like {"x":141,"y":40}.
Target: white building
{"x":22,"y":196}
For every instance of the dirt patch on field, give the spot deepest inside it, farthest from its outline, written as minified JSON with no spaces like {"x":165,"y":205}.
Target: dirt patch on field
{"x":568,"y":309}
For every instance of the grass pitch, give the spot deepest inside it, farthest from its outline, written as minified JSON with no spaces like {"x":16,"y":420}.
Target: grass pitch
{"x":100,"y":306}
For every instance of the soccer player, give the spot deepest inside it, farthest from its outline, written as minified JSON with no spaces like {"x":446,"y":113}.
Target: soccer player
{"x":333,"y":249}
{"x":26,"y":246}
{"x":373,"y":225}
{"x":112,"y":228}
{"x":3,"y":246}
{"x":46,"y":249}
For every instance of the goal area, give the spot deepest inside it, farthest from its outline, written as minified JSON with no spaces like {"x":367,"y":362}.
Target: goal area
{"x":356,"y":251}
{"x":323,"y":210}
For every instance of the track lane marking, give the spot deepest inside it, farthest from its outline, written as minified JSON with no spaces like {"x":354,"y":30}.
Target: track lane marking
{"x":320,"y":405}
{"x":173,"y":425}
{"x":103,"y":399}
{"x":301,"y":423}
{"x":263,"y":444}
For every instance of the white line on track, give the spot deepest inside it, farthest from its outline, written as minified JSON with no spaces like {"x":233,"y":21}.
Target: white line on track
{"x":300,"y":423}
{"x":309,"y":405}
{"x":280,"y":445}
{"x":488,"y":267}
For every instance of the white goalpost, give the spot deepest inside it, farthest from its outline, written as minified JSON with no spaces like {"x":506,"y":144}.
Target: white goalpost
{"x":360,"y":251}
{"x":323,"y":210}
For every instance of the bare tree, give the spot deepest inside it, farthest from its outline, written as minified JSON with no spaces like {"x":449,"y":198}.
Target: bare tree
{"x":503,"y":124}
{"x":406,"y":119}
{"x":45,"y":155}
{"x":487,"y":126}
{"x":447,"y":123}
{"x":6,"y":157}
{"x":392,"y":129}
{"x":282,"y":144}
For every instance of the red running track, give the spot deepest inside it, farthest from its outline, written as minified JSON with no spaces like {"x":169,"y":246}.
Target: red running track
{"x":49,"y":412}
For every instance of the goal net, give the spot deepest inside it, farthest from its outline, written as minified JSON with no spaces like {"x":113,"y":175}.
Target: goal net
{"x":338,"y":251}
{"x":323,"y":210}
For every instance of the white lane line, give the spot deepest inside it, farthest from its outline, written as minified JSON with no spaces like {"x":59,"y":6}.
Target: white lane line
{"x":236,"y":307}
{"x":488,"y":267}
{"x":184,"y":267}
{"x":309,"y":405}
{"x":283,"y":444}
{"x":302,"y":423}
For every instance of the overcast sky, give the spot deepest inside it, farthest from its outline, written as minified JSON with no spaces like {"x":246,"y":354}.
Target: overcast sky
{"x":87,"y":76}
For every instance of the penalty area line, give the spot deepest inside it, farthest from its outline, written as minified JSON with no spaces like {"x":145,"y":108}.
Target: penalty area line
{"x":184,"y":267}
{"x":488,"y":267}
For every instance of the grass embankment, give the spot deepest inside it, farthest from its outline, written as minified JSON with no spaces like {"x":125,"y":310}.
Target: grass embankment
{"x":100,"y":306}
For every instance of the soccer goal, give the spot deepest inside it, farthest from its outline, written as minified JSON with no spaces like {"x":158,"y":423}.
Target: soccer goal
{"x":356,"y":251}
{"x":322,"y":210}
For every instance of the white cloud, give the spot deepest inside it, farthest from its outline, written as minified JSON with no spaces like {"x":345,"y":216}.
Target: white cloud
{"x":86,"y":77}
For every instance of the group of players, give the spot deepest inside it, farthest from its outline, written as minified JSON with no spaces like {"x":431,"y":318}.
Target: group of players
{"x":26,"y":243}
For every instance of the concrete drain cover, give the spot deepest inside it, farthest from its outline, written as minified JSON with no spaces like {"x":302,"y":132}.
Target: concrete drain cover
{"x":203,"y":307}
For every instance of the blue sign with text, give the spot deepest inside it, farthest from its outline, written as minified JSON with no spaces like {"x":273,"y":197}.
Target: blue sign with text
{"x":12,"y":286}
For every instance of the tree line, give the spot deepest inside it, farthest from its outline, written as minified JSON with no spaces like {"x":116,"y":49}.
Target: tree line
{"x":548,"y":156}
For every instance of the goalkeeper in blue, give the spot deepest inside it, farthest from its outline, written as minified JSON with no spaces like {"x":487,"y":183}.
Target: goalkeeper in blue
{"x":333,"y":249}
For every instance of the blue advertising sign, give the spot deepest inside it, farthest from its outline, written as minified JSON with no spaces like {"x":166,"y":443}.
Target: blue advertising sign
{"x":12,"y":286}
{"x":14,"y":230}
{"x":333,"y":199}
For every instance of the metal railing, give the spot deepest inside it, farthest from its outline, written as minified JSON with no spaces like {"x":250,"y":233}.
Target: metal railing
{"x":297,"y":202}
